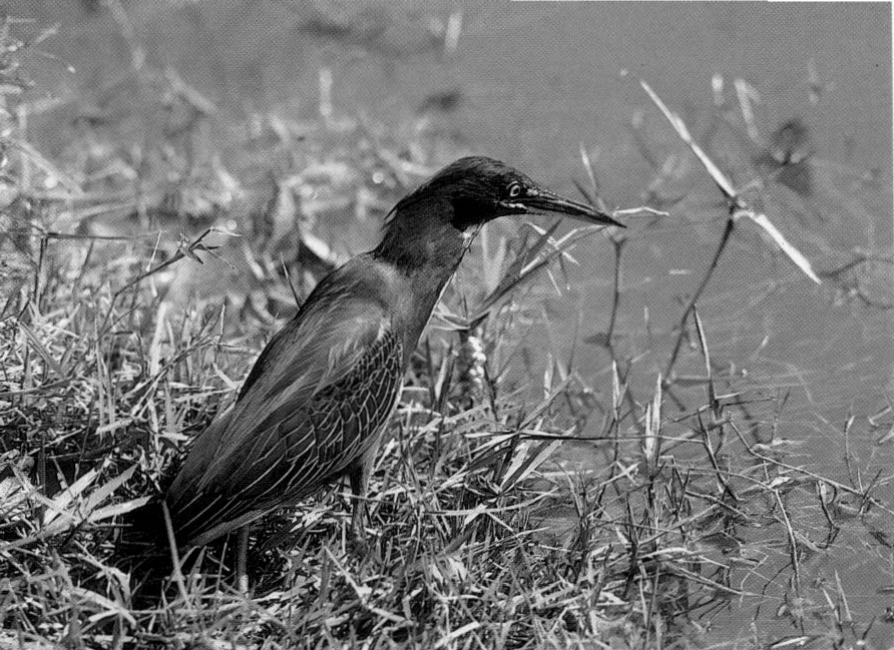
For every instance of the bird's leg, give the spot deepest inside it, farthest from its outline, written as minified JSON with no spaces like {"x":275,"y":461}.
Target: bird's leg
{"x":242,"y":560}
{"x":359,"y":478}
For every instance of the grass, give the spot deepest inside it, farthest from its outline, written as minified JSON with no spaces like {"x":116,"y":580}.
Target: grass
{"x":482,"y":535}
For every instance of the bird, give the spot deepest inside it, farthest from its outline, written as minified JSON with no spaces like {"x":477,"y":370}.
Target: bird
{"x":317,"y":400}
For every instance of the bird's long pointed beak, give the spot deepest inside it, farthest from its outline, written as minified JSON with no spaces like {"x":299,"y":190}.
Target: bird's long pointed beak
{"x":541,"y":200}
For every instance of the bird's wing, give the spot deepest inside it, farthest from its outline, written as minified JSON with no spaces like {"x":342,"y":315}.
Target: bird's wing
{"x":317,"y":396}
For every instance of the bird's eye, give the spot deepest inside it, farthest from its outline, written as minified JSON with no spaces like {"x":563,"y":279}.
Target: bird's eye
{"x":515,"y":190}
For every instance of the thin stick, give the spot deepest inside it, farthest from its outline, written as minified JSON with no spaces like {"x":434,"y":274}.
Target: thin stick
{"x":188,"y":250}
{"x":616,"y":291}
{"x":242,"y":561}
{"x":724,"y":239}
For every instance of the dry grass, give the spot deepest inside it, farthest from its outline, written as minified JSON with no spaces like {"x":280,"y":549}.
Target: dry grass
{"x":480,"y":535}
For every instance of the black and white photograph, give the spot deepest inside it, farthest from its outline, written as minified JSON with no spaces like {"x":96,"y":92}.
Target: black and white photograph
{"x":446,"y":325}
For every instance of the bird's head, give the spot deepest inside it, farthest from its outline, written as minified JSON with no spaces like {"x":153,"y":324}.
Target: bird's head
{"x":472,"y":191}
{"x":479,"y":189}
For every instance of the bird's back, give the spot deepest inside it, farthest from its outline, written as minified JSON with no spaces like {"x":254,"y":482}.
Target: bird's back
{"x":315,"y":401}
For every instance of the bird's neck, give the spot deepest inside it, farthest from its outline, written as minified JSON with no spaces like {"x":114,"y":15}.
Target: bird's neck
{"x":416,"y":243}
{"x":424,"y":259}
